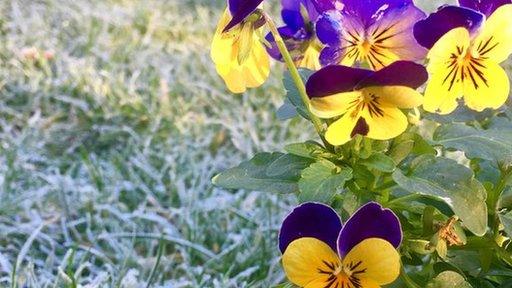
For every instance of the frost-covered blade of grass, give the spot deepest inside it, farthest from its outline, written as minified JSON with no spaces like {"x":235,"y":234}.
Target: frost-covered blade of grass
{"x":112,"y":123}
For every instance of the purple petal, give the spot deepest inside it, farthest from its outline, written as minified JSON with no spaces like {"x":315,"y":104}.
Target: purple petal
{"x":294,"y":41}
{"x":399,"y":73}
{"x":331,"y":55}
{"x":394,"y":31}
{"x":370,"y":221}
{"x":292,"y":14}
{"x":239,"y":10}
{"x":329,"y":28}
{"x":371,"y":10}
{"x":335,"y":79}
{"x":325,"y":5}
{"x":487,"y":7}
{"x":310,"y":220}
{"x":428,"y":31}
{"x":273,"y":50}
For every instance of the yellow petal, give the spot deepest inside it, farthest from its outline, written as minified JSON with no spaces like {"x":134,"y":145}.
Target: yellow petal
{"x":334,"y":105}
{"x":306,"y":258}
{"x":495,"y":41}
{"x":386,"y":123}
{"x":311,"y":58}
{"x":241,"y":64}
{"x":374,"y":260}
{"x":445,"y":86}
{"x":259,"y":65}
{"x":351,"y":57}
{"x":342,"y":130}
{"x":439,"y":96}
{"x":491,"y":93}
{"x":395,"y":96}
{"x":446,"y":45}
{"x":222,"y":48}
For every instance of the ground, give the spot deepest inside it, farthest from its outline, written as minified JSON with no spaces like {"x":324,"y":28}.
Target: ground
{"x":112,"y":124}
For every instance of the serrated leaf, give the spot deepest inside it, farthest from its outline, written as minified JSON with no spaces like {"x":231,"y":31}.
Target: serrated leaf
{"x":292,"y":94}
{"x":449,"y":279}
{"x":380,"y":162}
{"x":320,"y":181}
{"x":492,"y":144}
{"x":452,"y":183}
{"x":268,"y":172}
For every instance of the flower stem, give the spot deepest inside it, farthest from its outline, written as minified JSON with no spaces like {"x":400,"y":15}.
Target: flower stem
{"x":407,"y":280}
{"x":297,"y":80}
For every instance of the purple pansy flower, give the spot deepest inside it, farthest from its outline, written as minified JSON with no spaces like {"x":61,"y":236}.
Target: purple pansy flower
{"x":370,"y":32}
{"x":487,"y":7}
{"x":298,"y":33}
{"x":319,"y":251}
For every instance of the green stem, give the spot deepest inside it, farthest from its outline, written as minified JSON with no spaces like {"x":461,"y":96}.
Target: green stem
{"x":494,"y":196}
{"x":297,"y":79}
{"x":407,"y":280}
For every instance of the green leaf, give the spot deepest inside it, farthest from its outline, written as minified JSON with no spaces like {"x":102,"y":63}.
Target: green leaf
{"x":419,"y":246}
{"x":292,"y":94}
{"x":492,"y":144}
{"x":506,"y":220}
{"x":449,"y":279}
{"x":421,"y":146}
{"x":268,"y":172}
{"x":380,"y":162}
{"x":461,"y":114}
{"x":286,"y":111}
{"x":321,"y":180}
{"x":309,"y":149}
{"x":452,"y":183}
{"x":401,"y":150}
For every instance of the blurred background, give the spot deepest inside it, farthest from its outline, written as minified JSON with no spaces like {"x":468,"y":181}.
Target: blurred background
{"x":112,"y":124}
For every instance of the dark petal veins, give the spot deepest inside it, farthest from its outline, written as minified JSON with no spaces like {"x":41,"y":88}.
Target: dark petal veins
{"x":399,"y":73}
{"x":361,"y":128}
{"x":370,"y":221}
{"x":428,"y":31}
{"x":487,"y":7}
{"x":240,"y":9}
{"x":310,"y":220}
{"x":335,"y":79}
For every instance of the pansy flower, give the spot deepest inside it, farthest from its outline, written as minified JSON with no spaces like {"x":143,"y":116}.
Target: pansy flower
{"x":372,"y":33}
{"x":320,"y":252}
{"x":464,"y":57}
{"x":368,"y":102}
{"x":298,"y":34}
{"x":238,"y":54}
